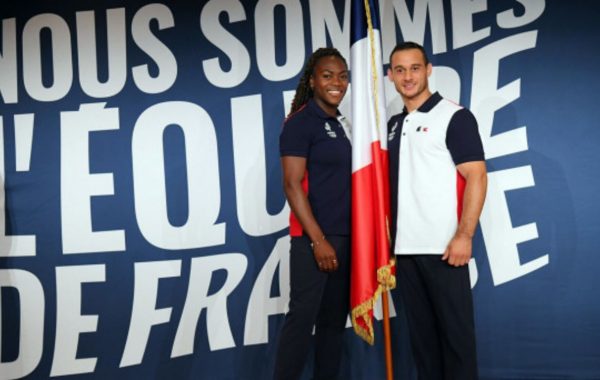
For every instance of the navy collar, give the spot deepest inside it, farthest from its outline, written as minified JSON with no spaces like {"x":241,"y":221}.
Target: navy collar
{"x":314,"y":107}
{"x":431,"y":102}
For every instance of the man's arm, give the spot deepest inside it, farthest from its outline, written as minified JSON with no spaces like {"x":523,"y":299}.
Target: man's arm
{"x":459,"y":249}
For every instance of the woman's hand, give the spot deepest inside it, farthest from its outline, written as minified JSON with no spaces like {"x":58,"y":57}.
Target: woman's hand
{"x":325,"y":255}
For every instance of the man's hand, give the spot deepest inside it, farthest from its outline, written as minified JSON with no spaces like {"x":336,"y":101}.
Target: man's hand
{"x":458,"y":252}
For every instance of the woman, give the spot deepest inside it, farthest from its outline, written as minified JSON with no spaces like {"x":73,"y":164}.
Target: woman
{"x":316,"y":159}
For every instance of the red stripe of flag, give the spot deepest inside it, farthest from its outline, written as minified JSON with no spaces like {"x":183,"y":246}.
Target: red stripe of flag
{"x":372,"y":263}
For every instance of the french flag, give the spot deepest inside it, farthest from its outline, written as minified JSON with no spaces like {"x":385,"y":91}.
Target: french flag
{"x":373,"y":266}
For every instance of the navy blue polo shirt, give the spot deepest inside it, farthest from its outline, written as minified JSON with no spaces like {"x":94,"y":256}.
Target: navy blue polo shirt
{"x":321,"y":139}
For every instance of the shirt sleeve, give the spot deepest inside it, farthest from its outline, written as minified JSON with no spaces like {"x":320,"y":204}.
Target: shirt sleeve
{"x":463,"y":139}
{"x":294,"y":139}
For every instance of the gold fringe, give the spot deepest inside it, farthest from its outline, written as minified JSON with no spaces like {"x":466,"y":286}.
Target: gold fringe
{"x":386,"y":282}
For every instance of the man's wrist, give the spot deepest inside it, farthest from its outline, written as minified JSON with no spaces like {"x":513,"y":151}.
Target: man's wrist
{"x":463,"y":235}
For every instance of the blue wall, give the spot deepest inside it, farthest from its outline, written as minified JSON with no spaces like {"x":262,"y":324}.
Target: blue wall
{"x":144,"y":229}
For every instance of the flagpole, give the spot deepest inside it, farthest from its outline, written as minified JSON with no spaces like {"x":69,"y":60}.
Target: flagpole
{"x":372,"y":267}
{"x":387,"y":336}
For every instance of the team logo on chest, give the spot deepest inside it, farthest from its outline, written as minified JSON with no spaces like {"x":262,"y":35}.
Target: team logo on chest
{"x":422,"y":129}
{"x":392,"y":133}
{"x":330,"y":132}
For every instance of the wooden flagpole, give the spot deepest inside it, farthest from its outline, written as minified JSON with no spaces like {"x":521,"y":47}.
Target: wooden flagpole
{"x":387,"y":336}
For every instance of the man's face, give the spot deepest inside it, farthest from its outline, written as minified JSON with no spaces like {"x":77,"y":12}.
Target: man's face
{"x":409,"y":73}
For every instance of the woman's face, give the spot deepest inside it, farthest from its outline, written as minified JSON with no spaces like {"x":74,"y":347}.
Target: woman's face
{"x":329,"y":83}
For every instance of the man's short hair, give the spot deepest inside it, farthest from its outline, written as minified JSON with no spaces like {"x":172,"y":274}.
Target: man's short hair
{"x":409,"y":45}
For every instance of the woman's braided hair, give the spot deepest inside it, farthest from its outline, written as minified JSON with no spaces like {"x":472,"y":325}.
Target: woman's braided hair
{"x":303,"y":91}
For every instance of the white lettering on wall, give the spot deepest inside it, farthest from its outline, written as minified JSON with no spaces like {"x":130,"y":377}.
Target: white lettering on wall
{"x":250,"y":169}
{"x":533,"y":10}
{"x":412,"y":28}
{"x":8,"y":62}
{"x":198,"y":299}
{"x":15,"y":245}
{"x":87,"y":53}
{"x":145,"y":315}
{"x":151,"y":45}
{"x":78,"y":185}
{"x":61,"y":61}
{"x":261,"y":305}
{"x":486,"y":98}
{"x":501,"y":239}
{"x":324,"y":21}
{"x":264,"y":21}
{"x":462,"y":22}
{"x":31,"y":309}
{"x":237,"y":54}
{"x":70,"y":323}
{"x":204,"y":192}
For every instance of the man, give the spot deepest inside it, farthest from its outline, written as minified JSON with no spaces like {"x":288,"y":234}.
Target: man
{"x":438,"y":183}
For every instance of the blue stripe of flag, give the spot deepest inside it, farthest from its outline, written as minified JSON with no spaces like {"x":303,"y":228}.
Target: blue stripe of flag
{"x":359,"y":25}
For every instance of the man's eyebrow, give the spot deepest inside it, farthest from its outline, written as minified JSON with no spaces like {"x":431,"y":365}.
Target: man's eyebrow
{"x":411,"y":65}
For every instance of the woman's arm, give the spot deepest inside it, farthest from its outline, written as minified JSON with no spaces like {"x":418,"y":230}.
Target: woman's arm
{"x":293,"y":173}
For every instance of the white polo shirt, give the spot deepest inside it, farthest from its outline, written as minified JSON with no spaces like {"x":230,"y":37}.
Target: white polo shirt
{"x":426,"y":189}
